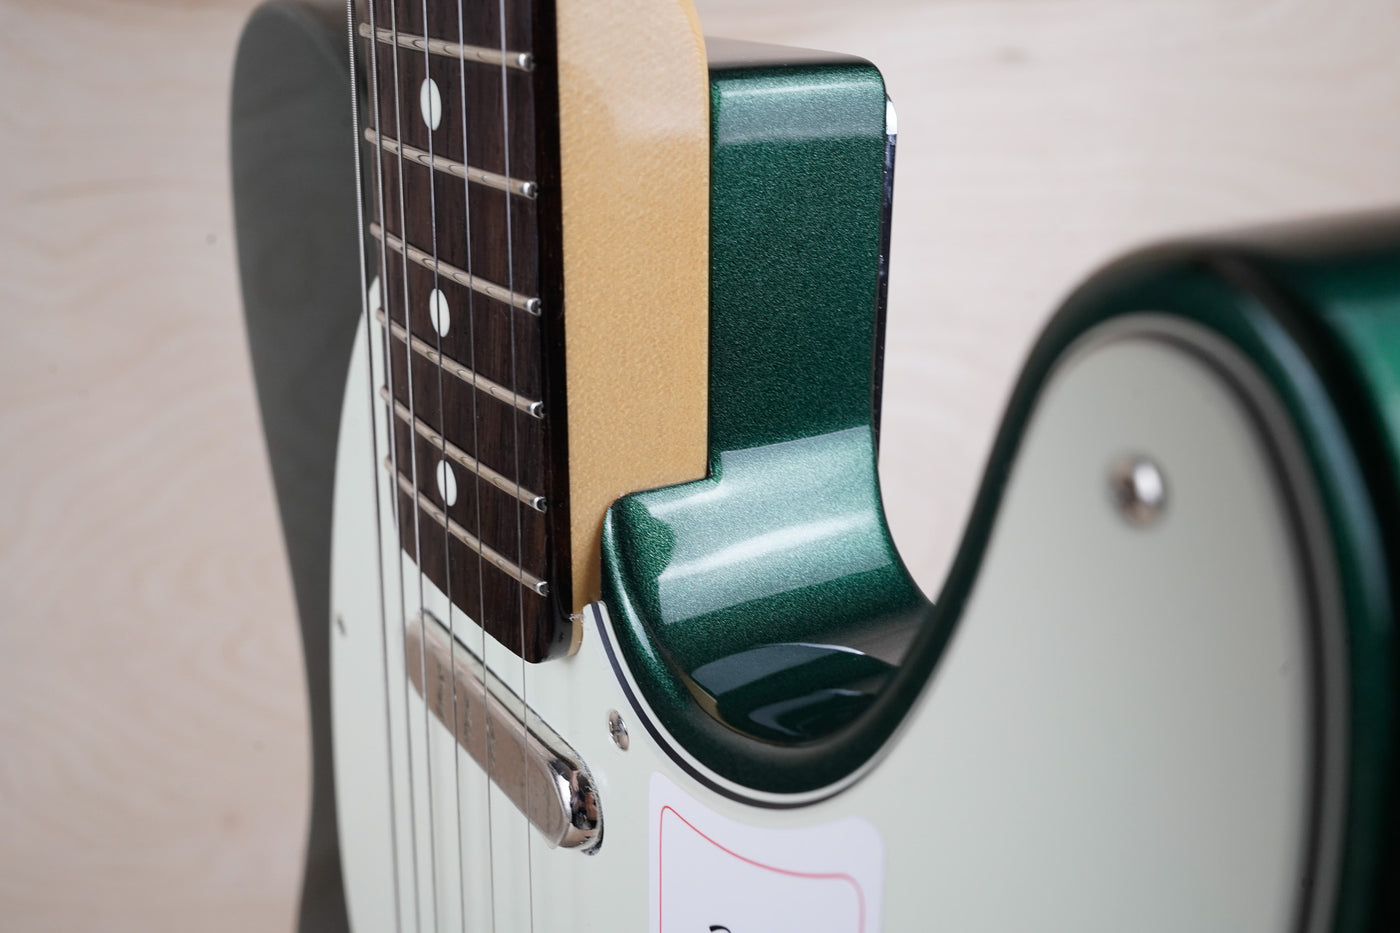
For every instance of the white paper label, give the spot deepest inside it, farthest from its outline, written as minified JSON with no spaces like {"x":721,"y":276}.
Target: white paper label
{"x":711,"y":874}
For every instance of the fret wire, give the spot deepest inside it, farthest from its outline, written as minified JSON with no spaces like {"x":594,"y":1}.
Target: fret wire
{"x":531,"y":582}
{"x":497,"y":391}
{"x":520,"y":61}
{"x":465,"y":279}
{"x":461,"y":457}
{"x":526,"y":189}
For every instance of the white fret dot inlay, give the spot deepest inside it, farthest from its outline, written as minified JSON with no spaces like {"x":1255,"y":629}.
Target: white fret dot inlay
{"x":430,"y":101}
{"x":439,"y":313}
{"x":447,"y":482}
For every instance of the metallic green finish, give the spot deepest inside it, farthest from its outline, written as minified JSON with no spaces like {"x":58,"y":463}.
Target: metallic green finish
{"x":1342,"y":282}
{"x":794,"y":691}
{"x":695,"y":576}
{"x":785,"y":541}
{"x":794,"y":250}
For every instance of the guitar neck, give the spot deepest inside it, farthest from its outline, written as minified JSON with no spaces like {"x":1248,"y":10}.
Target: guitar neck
{"x":514,"y":147}
{"x":463,"y":185}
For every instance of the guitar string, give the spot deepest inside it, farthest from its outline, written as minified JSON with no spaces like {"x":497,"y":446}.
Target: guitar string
{"x":386,"y":293}
{"x":431,"y":117}
{"x":476,"y":480}
{"x":440,"y":326}
{"x":417,"y":535}
{"x":492,"y":790}
{"x":366,"y":312}
{"x":515,"y":426}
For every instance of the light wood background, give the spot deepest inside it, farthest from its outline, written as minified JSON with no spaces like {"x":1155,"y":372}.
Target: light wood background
{"x":153,"y":769}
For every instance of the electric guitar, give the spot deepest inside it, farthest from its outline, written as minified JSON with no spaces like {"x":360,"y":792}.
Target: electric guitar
{"x":573,"y":416}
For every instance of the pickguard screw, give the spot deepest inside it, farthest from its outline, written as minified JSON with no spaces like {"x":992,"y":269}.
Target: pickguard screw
{"x":1139,"y":490}
{"x":618,"y":730}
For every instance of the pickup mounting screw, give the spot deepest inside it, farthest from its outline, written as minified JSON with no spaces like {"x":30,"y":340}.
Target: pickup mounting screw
{"x":1139,"y":490}
{"x":618,"y":730}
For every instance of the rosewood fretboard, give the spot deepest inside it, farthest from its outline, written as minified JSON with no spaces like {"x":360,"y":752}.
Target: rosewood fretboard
{"x":466,"y":231}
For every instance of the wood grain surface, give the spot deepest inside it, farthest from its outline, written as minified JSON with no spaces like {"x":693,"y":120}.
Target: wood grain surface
{"x":504,"y":121}
{"x":615,"y":222}
{"x":153,"y":771}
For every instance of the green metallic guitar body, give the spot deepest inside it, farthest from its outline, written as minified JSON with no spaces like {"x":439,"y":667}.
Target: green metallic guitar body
{"x":1165,"y":654}
{"x":787,"y":536}
{"x":785,"y":542}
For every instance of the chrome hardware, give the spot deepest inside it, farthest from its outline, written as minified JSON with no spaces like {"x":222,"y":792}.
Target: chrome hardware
{"x":526,"y":189}
{"x":533,"y":766}
{"x":465,"y":279}
{"x":471,"y":53}
{"x":618,"y":730}
{"x":463,"y":459}
{"x":1139,"y":490}
{"x":450,"y":366}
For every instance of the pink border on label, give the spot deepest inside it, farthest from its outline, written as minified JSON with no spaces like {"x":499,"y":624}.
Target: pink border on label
{"x":661,"y":874}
